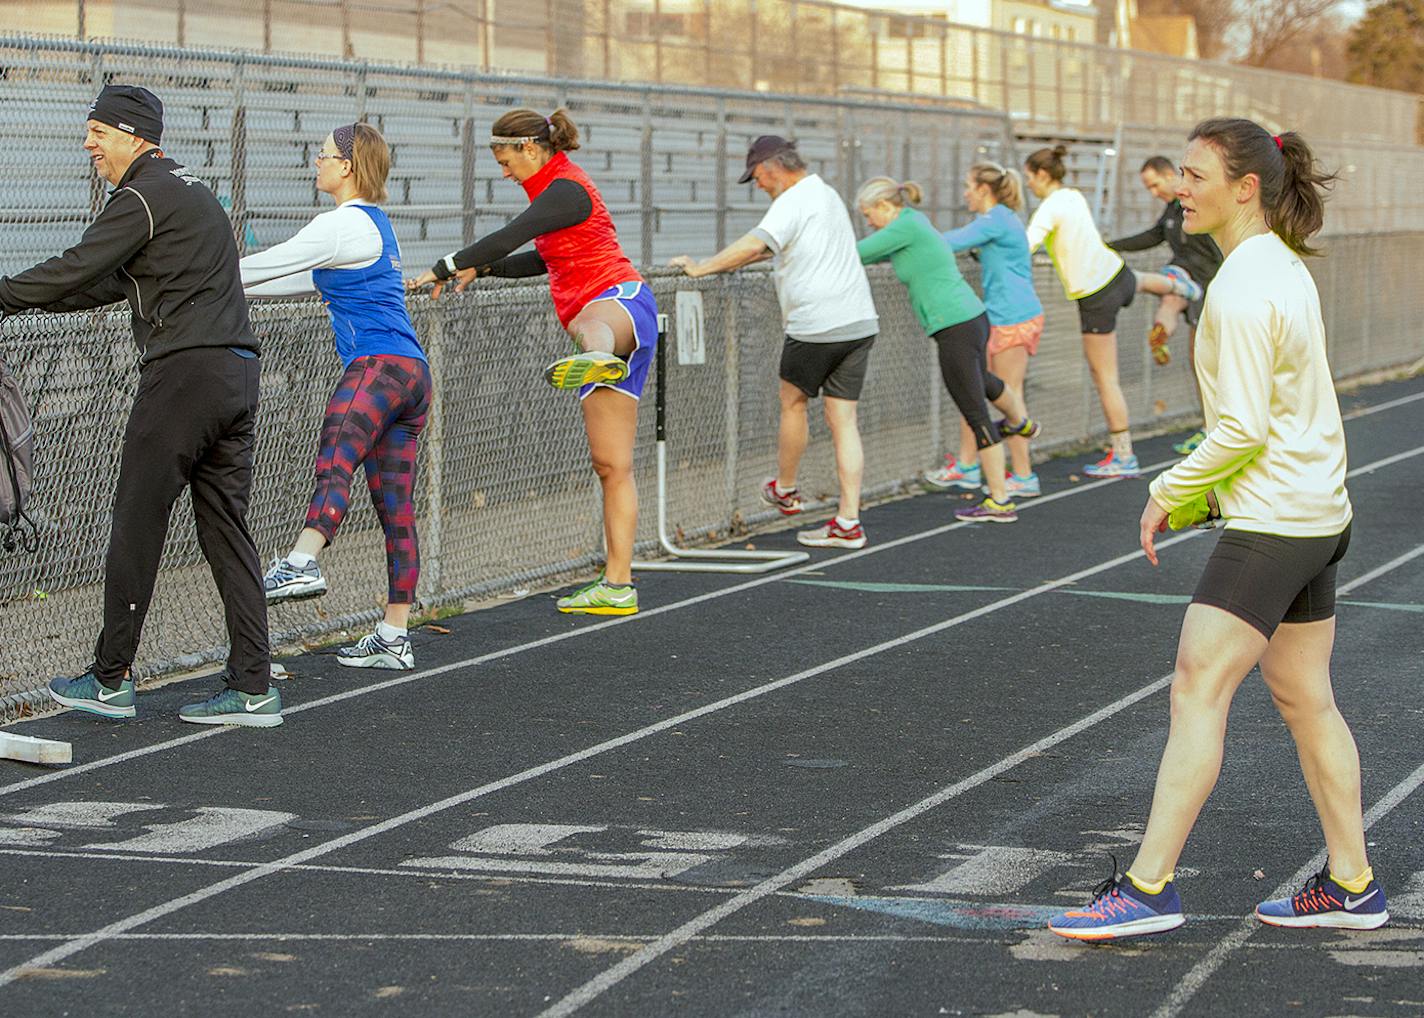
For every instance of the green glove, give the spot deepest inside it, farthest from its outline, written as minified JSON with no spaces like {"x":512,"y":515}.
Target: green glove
{"x":1199,"y":512}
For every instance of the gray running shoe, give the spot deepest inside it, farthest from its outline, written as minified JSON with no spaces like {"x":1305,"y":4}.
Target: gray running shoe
{"x":373,"y":652}
{"x":87,"y":693}
{"x":286,"y":582}
{"x":234,"y":707}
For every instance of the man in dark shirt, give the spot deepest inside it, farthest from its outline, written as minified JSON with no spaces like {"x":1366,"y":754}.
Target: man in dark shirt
{"x":164,"y":244}
{"x":1195,"y":255}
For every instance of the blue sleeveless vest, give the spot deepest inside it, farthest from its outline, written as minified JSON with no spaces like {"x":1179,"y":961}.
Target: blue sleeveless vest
{"x":367,"y":306}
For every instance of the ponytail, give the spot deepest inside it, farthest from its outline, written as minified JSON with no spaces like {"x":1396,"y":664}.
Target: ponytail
{"x":1050,"y":161}
{"x":1293,"y":184}
{"x":1005,"y":184}
{"x":878,"y":189}
{"x":555,"y":132}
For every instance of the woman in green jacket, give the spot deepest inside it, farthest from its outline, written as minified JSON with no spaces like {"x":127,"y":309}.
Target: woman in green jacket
{"x":954,"y":317}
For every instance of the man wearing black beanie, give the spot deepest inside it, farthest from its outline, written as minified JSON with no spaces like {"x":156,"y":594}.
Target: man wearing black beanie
{"x":165,"y":245}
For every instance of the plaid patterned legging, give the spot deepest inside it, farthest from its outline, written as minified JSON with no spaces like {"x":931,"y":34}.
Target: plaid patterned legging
{"x":375,"y":417}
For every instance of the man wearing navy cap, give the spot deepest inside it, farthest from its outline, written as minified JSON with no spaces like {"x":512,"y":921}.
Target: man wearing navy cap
{"x":164,"y":244}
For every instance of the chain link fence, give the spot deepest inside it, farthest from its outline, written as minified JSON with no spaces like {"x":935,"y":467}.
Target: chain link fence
{"x":813,"y":47}
{"x":506,"y":499}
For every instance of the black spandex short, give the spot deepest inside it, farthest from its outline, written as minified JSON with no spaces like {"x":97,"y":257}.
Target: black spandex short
{"x":838,"y":368}
{"x":964,"y":366}
{"x":1097,"y":312}
{"x":1265,"y":580}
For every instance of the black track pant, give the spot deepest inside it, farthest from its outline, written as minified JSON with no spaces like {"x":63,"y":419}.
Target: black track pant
{"x":192,"y":423}
{"x":964,"y":365}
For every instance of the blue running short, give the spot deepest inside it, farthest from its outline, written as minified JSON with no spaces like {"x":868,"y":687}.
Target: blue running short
{"x":637,"y":300}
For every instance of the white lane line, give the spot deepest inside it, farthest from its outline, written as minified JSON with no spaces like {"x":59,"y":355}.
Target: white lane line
{"x":876,"y":549}
{"x":355,"y":837}
{"x":1379,"y":571}
{"x":572,"y":634}
{"x":1216,"y":957}
{"x":379,"y":871}
{"x":695,"y":927}
{"x":1355,"y":415}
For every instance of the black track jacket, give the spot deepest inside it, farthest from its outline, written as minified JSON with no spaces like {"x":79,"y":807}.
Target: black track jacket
{"x":164,"y":244}
{"x":1195,"y":252}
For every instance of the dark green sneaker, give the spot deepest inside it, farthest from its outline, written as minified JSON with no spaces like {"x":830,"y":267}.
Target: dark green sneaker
{"x":87,"y":693}
{"x":234,"y":707}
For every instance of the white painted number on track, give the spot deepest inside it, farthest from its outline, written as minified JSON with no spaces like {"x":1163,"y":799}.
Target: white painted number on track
{"x":207,"y":827}
{"x":994,"y":870}
{"x":560,"y":849}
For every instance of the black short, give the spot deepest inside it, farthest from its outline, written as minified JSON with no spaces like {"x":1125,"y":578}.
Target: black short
{"x":1097,"y":312}
{"x":1193,"y":312}
{"x":1265,"y":580}
{"x":838,"y":368}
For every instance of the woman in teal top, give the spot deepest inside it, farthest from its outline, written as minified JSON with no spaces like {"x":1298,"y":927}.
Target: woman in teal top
{"x":995,"y":195}
{"x":955,"y":318}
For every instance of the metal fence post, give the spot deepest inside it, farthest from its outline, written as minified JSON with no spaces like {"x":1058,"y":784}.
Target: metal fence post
{"x":645,"y":187}
{"x":432,"y":540}
{"x":468,"y":183}
{"x":238,"y":143}
{"x":720,"y":179}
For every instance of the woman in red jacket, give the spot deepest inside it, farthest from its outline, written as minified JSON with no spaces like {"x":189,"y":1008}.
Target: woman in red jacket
{"x":600,"y":299}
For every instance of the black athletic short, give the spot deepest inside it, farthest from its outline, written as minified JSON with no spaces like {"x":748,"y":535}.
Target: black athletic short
{"x":1265,"y":580}
{"x":1097,"y":312}
{"x":838,"y":368}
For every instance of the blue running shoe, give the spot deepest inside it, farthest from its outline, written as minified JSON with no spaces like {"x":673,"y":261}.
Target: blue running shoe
{"x":1113,"y":465}
{"x":1323,"y":902}
{"x":234,"y":707}
{"x":87,"y":693}
{"x":1119,"y":909}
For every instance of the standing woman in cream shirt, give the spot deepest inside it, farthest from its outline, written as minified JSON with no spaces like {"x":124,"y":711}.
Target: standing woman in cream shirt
{"x":1273,"y":466}
{"x":1096,"y":280}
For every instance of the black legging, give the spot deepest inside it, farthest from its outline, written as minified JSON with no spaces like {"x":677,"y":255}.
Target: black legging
{"x":964,"y":364}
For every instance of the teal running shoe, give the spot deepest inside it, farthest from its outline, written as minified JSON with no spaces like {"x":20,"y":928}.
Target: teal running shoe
{"x":1189,"y":446}
{"x":234,"y":707}
{"x":87,"y":693}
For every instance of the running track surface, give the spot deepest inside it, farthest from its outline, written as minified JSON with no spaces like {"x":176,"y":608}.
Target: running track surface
{"x":855,"y":788}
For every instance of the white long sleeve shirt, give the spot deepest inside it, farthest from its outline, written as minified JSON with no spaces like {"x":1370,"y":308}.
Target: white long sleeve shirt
{"x":344,"y":238}
{"x":1275,"y":445}
{"x":1064,"y":225}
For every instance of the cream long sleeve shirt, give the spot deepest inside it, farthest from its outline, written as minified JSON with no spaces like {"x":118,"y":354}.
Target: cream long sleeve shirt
{"x":1274,"y":452}
{"x":1064,"y":225}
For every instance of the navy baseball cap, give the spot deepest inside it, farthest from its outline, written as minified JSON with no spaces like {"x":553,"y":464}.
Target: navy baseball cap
{"x":762,"y":149}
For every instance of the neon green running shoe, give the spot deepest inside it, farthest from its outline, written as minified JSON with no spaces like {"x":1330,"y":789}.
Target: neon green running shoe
{"x":1187,"y":447}
{"x":601,"y":598}
{"x":580,"y":369}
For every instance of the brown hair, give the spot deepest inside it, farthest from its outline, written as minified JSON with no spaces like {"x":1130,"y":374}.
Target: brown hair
{"x":1049,"y":160}
{"x":556,"y":132}
{"x":878,"y":189}
{"x":1293,"y":183}
{"x":1006,"y":185}
{"x":370,"y":163}
{"x":1161,"y":164}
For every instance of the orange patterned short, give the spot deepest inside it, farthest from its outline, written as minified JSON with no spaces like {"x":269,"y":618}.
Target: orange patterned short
{"x":1025,"y":334}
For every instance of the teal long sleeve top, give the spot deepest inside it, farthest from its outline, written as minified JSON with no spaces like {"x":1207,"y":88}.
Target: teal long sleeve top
{"x":925,"y":264}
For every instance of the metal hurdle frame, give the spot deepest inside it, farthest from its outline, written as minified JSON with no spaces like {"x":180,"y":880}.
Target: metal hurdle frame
{"x":698,"y":560}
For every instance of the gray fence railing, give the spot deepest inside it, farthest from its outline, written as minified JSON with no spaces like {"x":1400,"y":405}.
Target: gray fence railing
{"x":811,"y":47}
{"x":666,"y":158}
{"x":506,"y":498}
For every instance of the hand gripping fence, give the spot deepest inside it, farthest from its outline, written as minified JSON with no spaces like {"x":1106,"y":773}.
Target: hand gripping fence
{"x":697,"y":560}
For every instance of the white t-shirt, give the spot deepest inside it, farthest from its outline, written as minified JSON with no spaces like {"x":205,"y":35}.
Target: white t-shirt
{"x":820,"y":283}
{"x":1274,"y":451}
{"x":344,"y":238}
{"x":1064,"y":225}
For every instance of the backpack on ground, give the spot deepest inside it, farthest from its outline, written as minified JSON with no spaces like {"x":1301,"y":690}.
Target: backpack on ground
{"x":17,"y":449}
